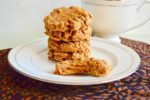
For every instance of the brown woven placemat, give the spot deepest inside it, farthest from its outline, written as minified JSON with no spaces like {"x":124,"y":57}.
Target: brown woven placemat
{"x":15,"y":86}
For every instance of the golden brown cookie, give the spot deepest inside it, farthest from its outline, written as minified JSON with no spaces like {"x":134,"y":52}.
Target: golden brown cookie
{"x":64,"y":19}
{"x":90,"y":66}
{"x":78,"y":35}
{"x":61,"y":56}
{"x":79,"y":46}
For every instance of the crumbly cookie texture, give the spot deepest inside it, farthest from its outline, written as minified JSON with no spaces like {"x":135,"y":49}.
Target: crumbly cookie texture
{"x":80,"y":46}
{"x":78,"y":35}
{"x":90,"y":66}
{"x":64,"y":19}
{"x":61,"y":56}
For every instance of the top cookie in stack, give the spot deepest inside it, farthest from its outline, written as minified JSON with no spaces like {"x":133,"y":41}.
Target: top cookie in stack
{"x":70,"y":26}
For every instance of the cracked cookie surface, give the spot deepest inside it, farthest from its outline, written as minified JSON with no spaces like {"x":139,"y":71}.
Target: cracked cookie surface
{"x":64,"y":19}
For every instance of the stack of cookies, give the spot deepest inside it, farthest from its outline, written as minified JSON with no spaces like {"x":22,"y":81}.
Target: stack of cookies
{"x":69,"y":31}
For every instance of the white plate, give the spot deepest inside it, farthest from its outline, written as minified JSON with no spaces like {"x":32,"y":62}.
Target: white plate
{"x":31,"y":60}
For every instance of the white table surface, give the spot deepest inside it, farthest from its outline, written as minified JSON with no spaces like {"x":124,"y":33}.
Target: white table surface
{"x":22,"y":21}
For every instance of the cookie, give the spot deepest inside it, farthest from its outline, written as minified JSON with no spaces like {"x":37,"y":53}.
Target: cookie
{"x":80,"y":46}
{"x":61,"y":56}
{"x":64,"y":19}
{"x":78,"y":35}
{"x":90,"y":66}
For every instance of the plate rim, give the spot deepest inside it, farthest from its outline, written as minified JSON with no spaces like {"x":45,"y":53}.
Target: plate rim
{"x":27,"y":74}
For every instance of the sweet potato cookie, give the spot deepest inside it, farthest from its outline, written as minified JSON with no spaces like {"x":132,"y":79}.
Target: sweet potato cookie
{"x":90,"y":66}
{"x":80,"y":46}
{"x":61,"y":56}
{"x":78,"y":35}
{"x":64,"y":19}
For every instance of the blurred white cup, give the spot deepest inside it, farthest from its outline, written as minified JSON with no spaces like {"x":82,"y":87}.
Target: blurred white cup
{"x":112,"y":17}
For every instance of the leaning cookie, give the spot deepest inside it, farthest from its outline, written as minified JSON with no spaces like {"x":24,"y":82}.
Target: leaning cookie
{"x":90,"y":66}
